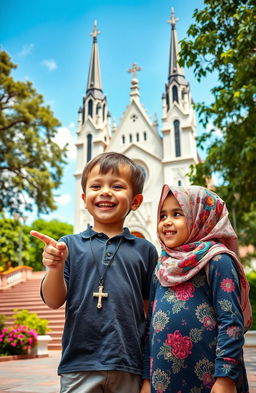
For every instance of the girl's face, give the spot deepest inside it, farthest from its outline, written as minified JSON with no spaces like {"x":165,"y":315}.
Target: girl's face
{"x":172,"y":226}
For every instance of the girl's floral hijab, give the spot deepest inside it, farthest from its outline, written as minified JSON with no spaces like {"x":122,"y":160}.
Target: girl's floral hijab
{"x":210,"y":233}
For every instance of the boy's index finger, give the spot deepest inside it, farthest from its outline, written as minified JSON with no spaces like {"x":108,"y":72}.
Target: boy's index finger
{"x":44,"y":238}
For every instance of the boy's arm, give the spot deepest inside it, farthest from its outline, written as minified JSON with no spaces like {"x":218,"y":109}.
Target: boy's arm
{"x":145,"y":388}
{"x":54,"y":289}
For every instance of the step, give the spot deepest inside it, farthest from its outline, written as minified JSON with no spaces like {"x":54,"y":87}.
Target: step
{"x":26,"y":295}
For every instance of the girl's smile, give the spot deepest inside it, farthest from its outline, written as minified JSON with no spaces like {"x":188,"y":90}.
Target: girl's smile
{"x":172,"y":226}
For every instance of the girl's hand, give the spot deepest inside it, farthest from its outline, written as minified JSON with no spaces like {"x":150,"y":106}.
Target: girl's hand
{"x":224,"y":385}
{"x":145,"y":388}
{"x":55,"y":254}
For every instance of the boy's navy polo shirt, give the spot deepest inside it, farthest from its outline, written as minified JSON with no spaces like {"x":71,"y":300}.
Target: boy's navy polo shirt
{"x":110,"y":338}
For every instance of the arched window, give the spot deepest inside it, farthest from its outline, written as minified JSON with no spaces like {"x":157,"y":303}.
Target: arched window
{"x":179,"y":183}
{"x":83,"y":111}
{"x":89,"y":147}
{"x":176,"y":124}
{"x":90,"y":108}
{"x":145,"y":135}
{"x":103,"y":112}
{"x":167,"y":101}
{"x":137,"y":137}
{"x":130,"y":136}
{"x":98,"y":108}
{"x":123,"y":138}
{"x":175,"y":96}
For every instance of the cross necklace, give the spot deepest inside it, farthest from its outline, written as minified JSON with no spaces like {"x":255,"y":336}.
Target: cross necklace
{"x":101,"y":294}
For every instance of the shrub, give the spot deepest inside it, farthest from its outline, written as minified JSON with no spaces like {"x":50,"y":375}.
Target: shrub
{"x":3,"y":319}
{"x":31,"y":320}
{"x":17,"y":340}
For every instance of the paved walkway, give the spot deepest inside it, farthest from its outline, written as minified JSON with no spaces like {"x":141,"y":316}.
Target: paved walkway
{"x":39,"y":375}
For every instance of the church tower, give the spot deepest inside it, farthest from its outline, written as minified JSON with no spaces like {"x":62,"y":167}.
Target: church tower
{"x":178,"y":119}
{"x":164,"y":157}
{"x":138,"y":138}
{"x":93,"y":127}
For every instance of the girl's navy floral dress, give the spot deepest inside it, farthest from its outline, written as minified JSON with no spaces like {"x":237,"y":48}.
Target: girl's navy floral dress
{"x":196,"y":331}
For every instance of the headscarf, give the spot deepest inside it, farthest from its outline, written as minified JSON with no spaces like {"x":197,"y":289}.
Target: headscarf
{"x":210,"y":234}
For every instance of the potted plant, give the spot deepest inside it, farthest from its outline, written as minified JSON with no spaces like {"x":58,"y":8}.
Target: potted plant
{"x":32,"y":321}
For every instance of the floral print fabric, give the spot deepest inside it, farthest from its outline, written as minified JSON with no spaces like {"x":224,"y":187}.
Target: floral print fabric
{"x":210,"y":234}
{"x":196,"y":332}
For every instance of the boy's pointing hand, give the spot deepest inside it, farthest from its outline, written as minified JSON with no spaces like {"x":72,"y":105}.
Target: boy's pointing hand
{"x":55,"y":254}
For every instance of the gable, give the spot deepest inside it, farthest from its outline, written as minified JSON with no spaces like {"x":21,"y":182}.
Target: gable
{"x":135,"y":128}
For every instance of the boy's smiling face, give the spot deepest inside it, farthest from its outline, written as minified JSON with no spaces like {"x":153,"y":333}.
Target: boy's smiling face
{"x":109,"y":197}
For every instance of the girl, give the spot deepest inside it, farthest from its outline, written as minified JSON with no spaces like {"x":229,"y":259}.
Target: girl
{"x":199,"y":298}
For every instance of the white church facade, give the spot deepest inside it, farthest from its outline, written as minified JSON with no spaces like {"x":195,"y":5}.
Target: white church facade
{"x":165,"y":155}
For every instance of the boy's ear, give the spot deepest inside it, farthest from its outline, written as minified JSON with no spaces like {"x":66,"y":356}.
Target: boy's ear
{"x":137,"y":201}
{"x":84,"y":199}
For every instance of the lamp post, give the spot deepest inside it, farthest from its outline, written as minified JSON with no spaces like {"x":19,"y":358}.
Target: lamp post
{"x":22,"y":222}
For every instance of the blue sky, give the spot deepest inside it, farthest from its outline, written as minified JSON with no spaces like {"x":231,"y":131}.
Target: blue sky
{"x":50,"y":42}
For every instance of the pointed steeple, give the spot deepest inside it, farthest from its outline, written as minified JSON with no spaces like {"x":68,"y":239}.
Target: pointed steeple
{"x":175,"y":70}
{"x":94,"y":85}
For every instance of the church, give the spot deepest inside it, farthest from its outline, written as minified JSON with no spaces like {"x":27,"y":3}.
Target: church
{"x":164,"y":155}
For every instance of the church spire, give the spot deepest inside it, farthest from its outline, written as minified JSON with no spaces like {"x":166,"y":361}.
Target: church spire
{"x":94,"y":85}
{"x":175,"y":70}
{"x":135,"y":94}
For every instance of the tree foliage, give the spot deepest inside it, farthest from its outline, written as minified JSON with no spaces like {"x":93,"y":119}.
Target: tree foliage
{"x":54,"y":229}
{"x":15,"y":236}
{"x":30,"y":161}
{"x":10,"y":237}
{"x":222,"y":40}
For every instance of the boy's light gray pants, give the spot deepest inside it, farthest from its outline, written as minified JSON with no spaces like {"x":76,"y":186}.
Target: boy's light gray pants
{"x":100,"y":382}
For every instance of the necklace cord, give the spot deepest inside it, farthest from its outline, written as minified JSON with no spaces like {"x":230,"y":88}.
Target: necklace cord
{"x":101,"y":276}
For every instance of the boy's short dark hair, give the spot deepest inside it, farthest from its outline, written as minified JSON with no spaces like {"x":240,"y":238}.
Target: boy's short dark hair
{"x":111,"y":161}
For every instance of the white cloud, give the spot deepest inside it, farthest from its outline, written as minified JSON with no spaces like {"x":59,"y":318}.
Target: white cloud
{"x":63,"y":199}
{"x":50,"y":64}
{"x":26,"y":50}
{"x":64,"y":136}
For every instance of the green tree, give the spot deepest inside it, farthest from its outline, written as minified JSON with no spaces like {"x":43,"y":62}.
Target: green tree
{"x":30,"y":161}
{"x":54,"y":229}
{"x":10,"y":238}
{"x":222,"y":40}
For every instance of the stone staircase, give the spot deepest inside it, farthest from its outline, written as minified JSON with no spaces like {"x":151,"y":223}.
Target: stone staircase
{"x":26,"y":295}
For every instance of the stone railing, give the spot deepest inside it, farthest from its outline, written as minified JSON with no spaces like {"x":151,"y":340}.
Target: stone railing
{"x":250,"y":338}
{"x":14,"y":276}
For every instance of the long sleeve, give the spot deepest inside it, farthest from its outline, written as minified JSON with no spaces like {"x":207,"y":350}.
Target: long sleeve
{"x":225,"y":287}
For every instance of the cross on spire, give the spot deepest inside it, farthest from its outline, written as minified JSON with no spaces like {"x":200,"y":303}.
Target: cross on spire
{"x":95,"y":32}
{"x":172,"y":21}
{"x":134,"y":70}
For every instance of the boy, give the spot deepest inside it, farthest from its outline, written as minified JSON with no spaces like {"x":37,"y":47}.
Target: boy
{"x":104,"y":275}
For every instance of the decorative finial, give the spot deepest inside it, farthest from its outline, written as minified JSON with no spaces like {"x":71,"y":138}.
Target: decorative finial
{"x":134,"y":70}
{"x":172,"y":21}
{"x":95,"y":32}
